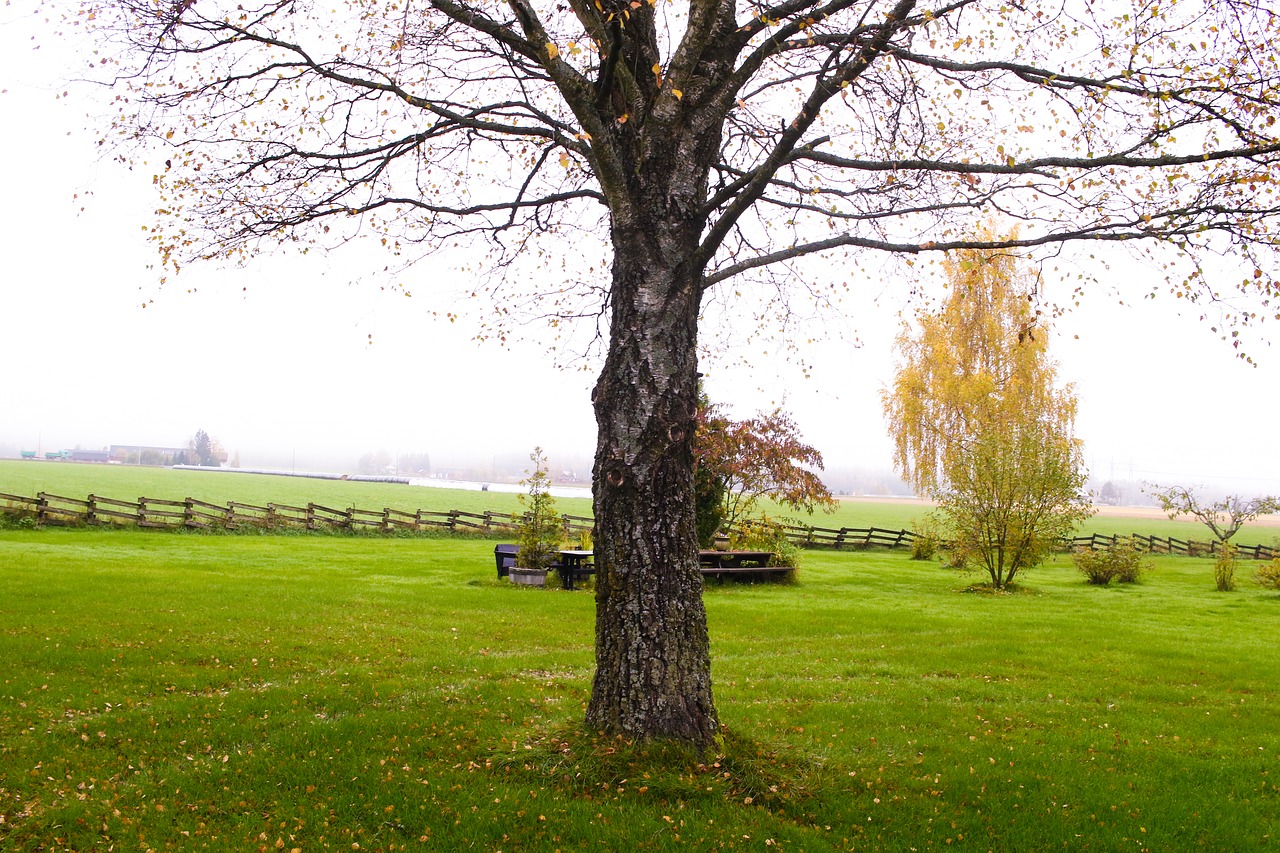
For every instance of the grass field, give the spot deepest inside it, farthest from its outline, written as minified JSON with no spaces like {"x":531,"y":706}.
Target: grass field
{"x":183,"y":691}
{"x":129,"y":483}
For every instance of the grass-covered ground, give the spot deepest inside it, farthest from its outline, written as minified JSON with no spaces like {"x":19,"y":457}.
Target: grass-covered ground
{"x":129,"y":483}
{"x":186,"y":691}
{"x":125,"y":482}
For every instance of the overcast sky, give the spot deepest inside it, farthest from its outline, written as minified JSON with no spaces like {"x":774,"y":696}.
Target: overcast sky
{"x":278,"y":362}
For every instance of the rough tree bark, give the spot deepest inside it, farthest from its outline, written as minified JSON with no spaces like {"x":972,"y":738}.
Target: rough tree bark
{"x":653,"y":664}
{"x":652,"y":648}
{"x":653,"y":659}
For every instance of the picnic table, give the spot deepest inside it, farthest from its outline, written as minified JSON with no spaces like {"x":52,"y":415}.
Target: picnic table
{"x":718,"y":564}
{"x":734,"y":560}
{"x":574,"y":563}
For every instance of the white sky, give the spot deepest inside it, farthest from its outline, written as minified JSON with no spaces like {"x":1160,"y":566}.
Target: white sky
{"x":276,"y":360}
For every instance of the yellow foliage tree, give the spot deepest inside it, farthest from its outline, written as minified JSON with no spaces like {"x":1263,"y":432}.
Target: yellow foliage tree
{"x":980,"y":425}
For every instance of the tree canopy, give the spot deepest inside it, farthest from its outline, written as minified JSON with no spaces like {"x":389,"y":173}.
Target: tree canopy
{"x":1224,"y":518}
{"x":814,"y":125}
{"x":981,"y":426}
{"x":205,"y":450}
{"x":764,"y":456}
{"x":706,"y":146}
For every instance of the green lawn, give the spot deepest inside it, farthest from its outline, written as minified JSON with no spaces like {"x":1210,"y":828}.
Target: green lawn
{"x":125,"y":482}
{"x":129,"y":483}
{"x":184,"y":691}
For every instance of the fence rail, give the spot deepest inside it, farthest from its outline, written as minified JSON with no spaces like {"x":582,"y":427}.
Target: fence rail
{"x":1170,"y":545}
{"x":848,"y":537}
{"x":52,"y":509}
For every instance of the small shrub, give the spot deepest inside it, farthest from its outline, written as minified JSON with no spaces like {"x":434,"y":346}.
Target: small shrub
{"x":1128,"y":561}
{"x":1268,"y":575}
{"x":766,"y":534}
{"x":957,"y":558}
{"x":928,"y":538}
{"x":1095,"y":564}
{"x":16,"y":519}
{"x":923,"y":547}
{"x":1122,"y":562}
{"x":1224,"y":568}
{"x":540,"y":529}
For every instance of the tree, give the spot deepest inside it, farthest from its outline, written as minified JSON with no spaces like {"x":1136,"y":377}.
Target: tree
{"x":374,"y":462}
{"x":741,"y":462}
{"x":413,"y":463}
{"x":979,"y":424}
{"x":205,"y":450}
{"x":1224,"y":518}
{"x":710,"y":485}
{"x":541,"y":530}
{"x":708,"y":146}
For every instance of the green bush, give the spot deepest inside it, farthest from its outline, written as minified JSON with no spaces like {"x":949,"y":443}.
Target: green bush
{"x":1224,"y":568}
{"x":1096,"y":565}
{"x":12,"y":518}
{"x":1122,"y":562}
{"x":925,"y":544}
{"x":541,"y":529}
{"x":924,"y":547}
{"x":766,"y":534}
{"x":1268,"y":575}
{"x":957,"y":558}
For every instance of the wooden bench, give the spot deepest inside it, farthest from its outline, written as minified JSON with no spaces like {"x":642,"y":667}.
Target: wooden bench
{"x":741,"y":564}
{"x":716,"y":564}
{"x":505,"y":556}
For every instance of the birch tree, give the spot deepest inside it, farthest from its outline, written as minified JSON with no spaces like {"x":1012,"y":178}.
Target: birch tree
{"x":708,"y":145}
{"x":980,"y":424}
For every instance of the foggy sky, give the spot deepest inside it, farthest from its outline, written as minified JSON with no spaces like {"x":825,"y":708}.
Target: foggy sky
{"x":306,"y":359}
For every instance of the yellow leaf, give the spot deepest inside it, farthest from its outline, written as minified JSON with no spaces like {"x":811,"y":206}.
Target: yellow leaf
{"x":677,"y":93}
{"x":552,"y":50}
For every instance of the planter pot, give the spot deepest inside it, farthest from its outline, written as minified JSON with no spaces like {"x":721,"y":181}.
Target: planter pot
{"x":528,"y":577}
{"x":720,"y":543}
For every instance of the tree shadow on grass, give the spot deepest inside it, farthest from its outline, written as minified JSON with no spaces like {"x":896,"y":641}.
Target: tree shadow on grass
{"x":1007,"y":589}
{"x":737,"y":770}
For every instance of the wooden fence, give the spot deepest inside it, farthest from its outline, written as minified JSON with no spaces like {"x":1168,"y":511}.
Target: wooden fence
{"x":47,"y":508}
{"x":848,"y":537}
{"x":1169,"y":545}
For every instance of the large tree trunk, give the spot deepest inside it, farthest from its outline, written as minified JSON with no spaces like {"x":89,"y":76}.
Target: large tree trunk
{"x":653,"y":667}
